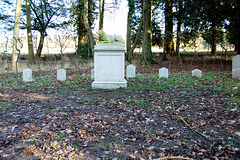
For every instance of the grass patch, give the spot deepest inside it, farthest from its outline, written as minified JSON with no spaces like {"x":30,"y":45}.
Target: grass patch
{"x":215,"y":82}
{"x":5,"y":105}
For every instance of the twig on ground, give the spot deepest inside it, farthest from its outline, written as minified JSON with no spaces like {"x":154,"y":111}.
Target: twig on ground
{"x":203,"y":135}
{"x":174,"y":158}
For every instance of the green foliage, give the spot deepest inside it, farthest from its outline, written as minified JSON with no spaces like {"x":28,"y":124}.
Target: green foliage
{"x":83,"y":48}
{"x":47,"y":14}
{"x":208,"y":32}
{"x":157,"y":37}
{"x":232,"y":23}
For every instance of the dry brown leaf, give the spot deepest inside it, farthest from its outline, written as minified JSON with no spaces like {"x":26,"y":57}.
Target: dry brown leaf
{"x":233,"y":121}
{"x":237,"y":133}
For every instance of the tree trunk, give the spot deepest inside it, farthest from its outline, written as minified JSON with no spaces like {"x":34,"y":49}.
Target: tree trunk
{"x":213,"y":41}
{"x":135,"y":41}
{"x":129,"y":28}
{"x":169,"y":39}
{"x":29,"y":34}
{"x":213,"y":29}
{"x":101,"y":13}
{"x":87,"y":26}
{"x":237,"y":45}
{"x":40,"y":45}
{"x":179,"y":23}
{"x":147,"y":33}
{"x":15,"y":52}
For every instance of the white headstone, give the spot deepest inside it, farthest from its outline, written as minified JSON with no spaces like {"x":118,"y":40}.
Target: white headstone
{"x":197,"y":73}
{"x":61,"y":75}
{"x":163,"y":72}
{"x":27,"y":75}
{"x":131,"y":71}
{"x":92,"y":73}
{"x":236,"y":66}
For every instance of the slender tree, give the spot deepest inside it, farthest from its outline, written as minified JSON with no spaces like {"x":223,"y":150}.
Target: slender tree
{"x":101,"y":13}
{"x":87,"y":25}
{"x":46,"y":14}
{"x":169,"y":39}
{"x":211,"y":18}
{"x":131,"y":11}
{"x":179,"y":23}
{"x":232,"y":8}
{"x":237,"y":17}
{"x":147,"y":33}
{"x":29,"y":33}
{"x":79,"y":22}
{"x":15,"y":51}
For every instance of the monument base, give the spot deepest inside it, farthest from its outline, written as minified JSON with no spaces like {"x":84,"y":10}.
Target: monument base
{"x":109,"y":85}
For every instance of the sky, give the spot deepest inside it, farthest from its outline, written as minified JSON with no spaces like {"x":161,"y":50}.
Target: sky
{"x":115,"y":20}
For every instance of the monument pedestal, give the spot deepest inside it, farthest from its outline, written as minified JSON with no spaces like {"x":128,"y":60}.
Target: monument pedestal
{"x":109,"y":59}
{"x":236,"y":66}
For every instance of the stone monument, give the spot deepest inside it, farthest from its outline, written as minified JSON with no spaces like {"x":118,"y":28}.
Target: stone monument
{"x":236,"y":66}
{"x":109,"y":62}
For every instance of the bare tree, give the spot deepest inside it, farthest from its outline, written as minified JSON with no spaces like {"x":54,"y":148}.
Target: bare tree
{"x":29,"y":33}
{"x":62,"y":41}
{"x":16,"y":40}
{"x":87,"y":26}
{"x":147,"y":33}
{"x":101,"y":13}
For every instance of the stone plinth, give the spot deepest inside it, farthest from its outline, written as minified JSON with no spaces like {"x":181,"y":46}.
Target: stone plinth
{"x":109,"y":59}
{"x":236,"y":66}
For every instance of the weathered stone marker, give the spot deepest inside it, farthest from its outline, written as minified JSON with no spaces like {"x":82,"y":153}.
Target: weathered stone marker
{"x":197,"y":73}
{"x":109,"y":60}
{"x":236,"y":66}
{"x":131,"y":71}
{"x":27,"y":75}
{"x":92,"y":73}
{"x":61,"y":75}
{"x":163,"y":72}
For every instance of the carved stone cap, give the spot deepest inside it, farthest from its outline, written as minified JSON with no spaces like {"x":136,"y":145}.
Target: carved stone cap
{"x":109,"y":46}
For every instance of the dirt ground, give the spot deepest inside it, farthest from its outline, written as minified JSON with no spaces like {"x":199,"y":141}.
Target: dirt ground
{"x":69,"y":120}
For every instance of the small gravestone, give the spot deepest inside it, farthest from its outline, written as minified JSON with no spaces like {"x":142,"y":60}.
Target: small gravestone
{"x":92,"y":73}
{"x":236,"y":66}
{"x":61,"y":75}
{"x":27,"y":75}
{"x":197,"y":73}
{"x":163,"y":72}
{"x":131,"y":70}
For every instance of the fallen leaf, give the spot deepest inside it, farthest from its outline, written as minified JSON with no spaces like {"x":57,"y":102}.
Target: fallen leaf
{"x":237,"y":133}
{"x":233,"y":121}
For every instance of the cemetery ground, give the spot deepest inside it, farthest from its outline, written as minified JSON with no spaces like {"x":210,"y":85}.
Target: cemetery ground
{"x":182,"y":117}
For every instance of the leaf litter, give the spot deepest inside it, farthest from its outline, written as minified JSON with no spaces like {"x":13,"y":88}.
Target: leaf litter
{"x":152,"y":118}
